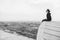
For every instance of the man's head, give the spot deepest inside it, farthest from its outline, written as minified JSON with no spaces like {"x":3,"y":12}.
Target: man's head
{"x":48,"y":11}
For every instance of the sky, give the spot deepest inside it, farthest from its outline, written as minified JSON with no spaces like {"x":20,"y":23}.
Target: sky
{"x":28,"y":10}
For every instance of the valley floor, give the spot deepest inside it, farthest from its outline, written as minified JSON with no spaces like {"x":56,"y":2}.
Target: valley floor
{"x":8,"y":36}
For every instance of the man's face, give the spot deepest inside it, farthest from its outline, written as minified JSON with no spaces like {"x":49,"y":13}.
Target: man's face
{"x":47,"y":11}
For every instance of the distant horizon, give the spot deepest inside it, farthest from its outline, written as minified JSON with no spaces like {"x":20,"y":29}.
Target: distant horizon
{"x":29,"y":21}
{"x":20,"y":21}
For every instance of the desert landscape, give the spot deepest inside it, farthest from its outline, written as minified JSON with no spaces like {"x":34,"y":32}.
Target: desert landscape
{"x":27,"y":29}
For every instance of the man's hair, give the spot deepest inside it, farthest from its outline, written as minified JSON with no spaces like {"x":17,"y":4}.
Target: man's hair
{"x":48,"y":10}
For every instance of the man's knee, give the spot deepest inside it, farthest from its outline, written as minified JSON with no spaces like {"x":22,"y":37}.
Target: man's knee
{"x":44,"y":20}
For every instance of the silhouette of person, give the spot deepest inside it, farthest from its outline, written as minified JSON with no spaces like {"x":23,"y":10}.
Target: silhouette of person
{"x":48,"y":16}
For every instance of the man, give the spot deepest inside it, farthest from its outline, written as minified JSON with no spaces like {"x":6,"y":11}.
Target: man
{"x":48,"y":16}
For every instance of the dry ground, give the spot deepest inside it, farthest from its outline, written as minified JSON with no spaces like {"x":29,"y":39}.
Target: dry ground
{"x":28,"y":29}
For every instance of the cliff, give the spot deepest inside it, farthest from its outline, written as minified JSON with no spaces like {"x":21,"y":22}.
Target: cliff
{"x":49,"y":31}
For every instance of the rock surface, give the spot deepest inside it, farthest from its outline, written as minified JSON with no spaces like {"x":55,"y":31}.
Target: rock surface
{"x":8,"y":36}
{"x":49,"y":31}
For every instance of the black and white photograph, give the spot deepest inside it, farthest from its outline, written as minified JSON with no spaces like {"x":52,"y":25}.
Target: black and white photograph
{"x":29,"y":20}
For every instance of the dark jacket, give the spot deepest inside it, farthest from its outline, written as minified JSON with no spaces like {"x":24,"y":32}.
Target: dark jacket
{"x":48,"y":16}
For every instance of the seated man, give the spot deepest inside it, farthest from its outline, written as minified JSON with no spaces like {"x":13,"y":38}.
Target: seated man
{"x":48,"y":16}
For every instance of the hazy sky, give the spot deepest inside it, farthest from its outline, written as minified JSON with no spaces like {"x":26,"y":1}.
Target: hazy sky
{"x":28,"y":10}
